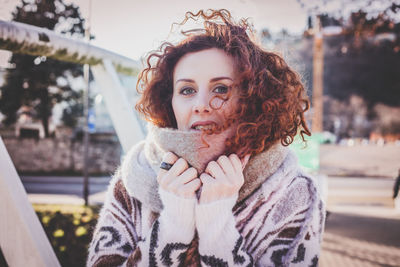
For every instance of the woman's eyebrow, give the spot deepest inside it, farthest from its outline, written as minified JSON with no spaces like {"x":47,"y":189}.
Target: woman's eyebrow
{"x":185,"y":80}
{"x":220,"y":78}
{"x":212,"y":80}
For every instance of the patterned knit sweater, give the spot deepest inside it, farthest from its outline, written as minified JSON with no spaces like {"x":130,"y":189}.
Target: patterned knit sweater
{"x":277,"y":219}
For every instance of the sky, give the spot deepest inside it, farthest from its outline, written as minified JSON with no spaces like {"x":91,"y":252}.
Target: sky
{"x":133,"y":28}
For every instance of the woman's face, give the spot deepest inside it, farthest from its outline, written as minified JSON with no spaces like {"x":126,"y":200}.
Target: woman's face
{"x":198,"y":78}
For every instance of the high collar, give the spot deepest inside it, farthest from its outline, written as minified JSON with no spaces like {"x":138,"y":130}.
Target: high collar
{"x":196,"y":149}
{"x":140,"y":167}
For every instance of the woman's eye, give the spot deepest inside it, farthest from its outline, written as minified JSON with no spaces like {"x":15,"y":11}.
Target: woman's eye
{"x":221,"y":89}
{"x":187,"y":91}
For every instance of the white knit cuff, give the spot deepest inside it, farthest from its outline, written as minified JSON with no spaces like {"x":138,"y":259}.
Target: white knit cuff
{"x":178,"y":212}
{"x":213,"y":218}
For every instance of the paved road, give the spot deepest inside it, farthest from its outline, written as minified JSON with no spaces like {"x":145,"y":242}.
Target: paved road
{"x":63,"y":185}
{"x":366,"y":196}
{"x":363,"y":228}
{"x":59,"y":190}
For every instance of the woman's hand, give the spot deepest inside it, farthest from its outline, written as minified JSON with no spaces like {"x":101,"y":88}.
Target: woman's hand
{"x":180,"y":180}
{"x":222,"y":178}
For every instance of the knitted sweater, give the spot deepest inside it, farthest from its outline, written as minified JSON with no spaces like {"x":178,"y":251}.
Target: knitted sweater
{"x":277,"y":219}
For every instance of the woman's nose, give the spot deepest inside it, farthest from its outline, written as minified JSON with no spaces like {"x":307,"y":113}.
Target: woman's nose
{"x":202,"y":104}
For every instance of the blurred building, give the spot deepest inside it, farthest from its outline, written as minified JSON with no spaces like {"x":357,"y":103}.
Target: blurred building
{"x":29,"y":127}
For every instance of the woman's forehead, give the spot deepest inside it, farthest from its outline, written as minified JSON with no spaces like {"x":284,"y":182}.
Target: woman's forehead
{"x":208,"y":63}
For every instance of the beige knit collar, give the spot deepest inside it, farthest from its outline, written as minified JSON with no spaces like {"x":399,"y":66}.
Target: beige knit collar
{"x":139,"y":169}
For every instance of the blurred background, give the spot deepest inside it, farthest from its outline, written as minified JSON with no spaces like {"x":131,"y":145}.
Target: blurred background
{"x":64,"y":143}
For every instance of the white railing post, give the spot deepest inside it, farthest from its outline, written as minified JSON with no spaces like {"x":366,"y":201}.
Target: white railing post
{"x":22,"y":238}
{"x":122,"y":113}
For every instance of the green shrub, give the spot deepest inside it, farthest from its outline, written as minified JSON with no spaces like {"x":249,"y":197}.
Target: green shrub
{"x":69,"y":229}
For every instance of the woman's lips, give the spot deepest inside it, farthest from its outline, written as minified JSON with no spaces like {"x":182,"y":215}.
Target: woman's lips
{"x":203,"y":125}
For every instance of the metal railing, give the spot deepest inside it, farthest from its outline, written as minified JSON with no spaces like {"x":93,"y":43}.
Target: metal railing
{"x":22,"y":238}
{"x":27,"y":39}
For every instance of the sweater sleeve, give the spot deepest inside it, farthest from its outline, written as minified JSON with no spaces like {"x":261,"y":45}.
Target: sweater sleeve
{"x":283,"y":229}
{"x":118,"y":241}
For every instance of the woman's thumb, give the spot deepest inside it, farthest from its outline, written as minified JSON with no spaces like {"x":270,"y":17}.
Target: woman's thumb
{"x":245,"y":160}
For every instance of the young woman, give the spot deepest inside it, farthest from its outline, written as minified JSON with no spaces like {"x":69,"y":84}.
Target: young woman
{"x":214,"y":183}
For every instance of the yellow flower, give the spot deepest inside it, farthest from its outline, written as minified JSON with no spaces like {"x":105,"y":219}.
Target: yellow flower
{"x":80,"y":231}
{"x":58,"y":233}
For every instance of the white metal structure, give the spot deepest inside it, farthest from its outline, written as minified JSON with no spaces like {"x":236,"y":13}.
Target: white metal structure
{"x":22,"y":239}
{"x":27,"y":39}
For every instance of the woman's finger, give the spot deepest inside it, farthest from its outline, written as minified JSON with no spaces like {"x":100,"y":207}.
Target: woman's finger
{"x":191,"y":188}
{"x":226,"y":165}
{"x":236,"y":162}
{"x":169,"y":158}
{"x":187,"y":176}
{"x":206,"y":179}
{"x":215,"y":170}
{"x":177,"y":169}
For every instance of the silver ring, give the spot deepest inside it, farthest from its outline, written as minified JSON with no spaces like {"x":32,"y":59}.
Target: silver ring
{"x":165,"y":166}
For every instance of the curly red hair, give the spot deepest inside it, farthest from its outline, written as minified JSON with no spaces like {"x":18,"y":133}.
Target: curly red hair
{"x":272,"y":100}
